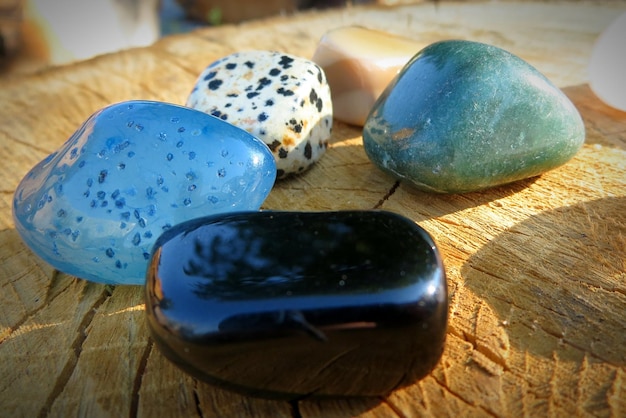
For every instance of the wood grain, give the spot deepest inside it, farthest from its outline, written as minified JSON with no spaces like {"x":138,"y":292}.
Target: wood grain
{"x":536,"y":269}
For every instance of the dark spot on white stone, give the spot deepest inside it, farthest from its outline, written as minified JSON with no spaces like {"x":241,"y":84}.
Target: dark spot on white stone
{"x":215,"y":84}
{"x":285,"y":62}
{"x":263,"y":82}
{"x":274,"y":145}
{"x":284,"y":92}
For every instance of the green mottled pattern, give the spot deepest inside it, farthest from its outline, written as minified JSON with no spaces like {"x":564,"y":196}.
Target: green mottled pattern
{"x":463,"y":116}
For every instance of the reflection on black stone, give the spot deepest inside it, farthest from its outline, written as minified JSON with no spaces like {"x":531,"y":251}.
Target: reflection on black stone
{"x":247,"y":259}
{"x":278,"y":321}
{"x":292,"y":304}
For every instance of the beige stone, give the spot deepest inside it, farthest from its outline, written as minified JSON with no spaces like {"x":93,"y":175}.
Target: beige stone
{"x":359,"y":63}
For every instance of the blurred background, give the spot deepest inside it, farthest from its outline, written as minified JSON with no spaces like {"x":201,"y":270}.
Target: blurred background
{"x":35,"y":34}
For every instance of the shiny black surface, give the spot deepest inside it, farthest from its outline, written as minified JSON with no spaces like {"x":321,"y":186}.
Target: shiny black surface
{"x":292,"y":304}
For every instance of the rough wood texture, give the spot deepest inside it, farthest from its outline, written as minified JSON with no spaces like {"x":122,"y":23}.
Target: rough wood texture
{"x":536,"y":269}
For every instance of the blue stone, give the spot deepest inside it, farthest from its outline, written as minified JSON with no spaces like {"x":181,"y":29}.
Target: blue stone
{"x":95,"y":207}
{"x":464,"y":116}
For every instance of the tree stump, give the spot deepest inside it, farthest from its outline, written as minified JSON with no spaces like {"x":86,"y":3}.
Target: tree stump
{"x":536,"y":269}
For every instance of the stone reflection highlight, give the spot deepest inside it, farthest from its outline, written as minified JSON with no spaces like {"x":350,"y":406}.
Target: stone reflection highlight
{"x":292,"y":304}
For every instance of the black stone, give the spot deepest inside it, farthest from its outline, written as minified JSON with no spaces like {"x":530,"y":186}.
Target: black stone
{"x":295,"y":304}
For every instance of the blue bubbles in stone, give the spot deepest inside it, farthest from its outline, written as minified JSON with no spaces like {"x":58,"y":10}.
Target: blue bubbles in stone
{"x":94,"y":207}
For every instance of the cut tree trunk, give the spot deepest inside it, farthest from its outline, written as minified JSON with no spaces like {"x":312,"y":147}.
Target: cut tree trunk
{"x":536,"y":269}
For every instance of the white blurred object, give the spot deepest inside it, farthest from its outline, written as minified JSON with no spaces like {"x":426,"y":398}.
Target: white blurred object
{"x":78,"y":29}
{"x":607,"y":67}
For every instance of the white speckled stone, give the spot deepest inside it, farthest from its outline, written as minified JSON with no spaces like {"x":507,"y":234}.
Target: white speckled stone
{"x":282,"y":99}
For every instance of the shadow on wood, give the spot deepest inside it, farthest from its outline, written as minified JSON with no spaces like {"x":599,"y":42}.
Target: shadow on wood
{"x":563,"y":297}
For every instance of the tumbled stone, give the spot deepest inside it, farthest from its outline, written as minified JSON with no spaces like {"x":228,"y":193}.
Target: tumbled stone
{"x":607,"y":65}
{"x":464,"y":116}
{"x":94,"y":208}
{"x":282,"y":99}
{"x":291,"y":304}
{"x":359,"y":63}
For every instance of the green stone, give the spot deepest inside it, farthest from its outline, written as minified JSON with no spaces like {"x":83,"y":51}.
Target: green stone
{"x":464,"y":116}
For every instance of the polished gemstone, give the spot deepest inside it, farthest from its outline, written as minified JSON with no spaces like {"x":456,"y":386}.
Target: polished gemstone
{"x":282,"y":99}
{"x":463,"y":116}
{"x":292,"y":304}
{"x":133,"y":170}
{"x":359,"y":63}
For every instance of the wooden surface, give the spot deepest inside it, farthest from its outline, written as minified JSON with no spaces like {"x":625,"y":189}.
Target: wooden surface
{"x":536,"y":269}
